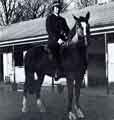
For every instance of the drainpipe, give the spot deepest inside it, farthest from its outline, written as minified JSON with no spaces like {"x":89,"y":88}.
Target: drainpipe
{"x":14,"y":85}
{"x":106,"y":61}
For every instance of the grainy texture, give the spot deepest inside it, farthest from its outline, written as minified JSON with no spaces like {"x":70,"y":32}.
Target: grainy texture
{"x":95,"y":104}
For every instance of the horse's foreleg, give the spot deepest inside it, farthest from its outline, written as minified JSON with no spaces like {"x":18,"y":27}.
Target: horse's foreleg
{"x":77,"y":94}
{"x":71,"y":115}
{"x":70,"y":94}
{"x":77,"y":108}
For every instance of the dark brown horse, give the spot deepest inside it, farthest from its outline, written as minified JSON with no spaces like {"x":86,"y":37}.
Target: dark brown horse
{"x":74,"y":64}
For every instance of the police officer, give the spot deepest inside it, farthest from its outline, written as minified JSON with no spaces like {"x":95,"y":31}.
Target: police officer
{"x":57,"y":30}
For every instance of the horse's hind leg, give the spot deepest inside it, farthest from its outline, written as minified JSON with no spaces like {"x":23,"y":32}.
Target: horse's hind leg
{"x":39,"y":85}
{"x":24,"y":104}
{"x":29,"y":77}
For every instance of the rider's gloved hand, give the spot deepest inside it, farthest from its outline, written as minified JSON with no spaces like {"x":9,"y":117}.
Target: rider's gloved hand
{"x":60,"y":41}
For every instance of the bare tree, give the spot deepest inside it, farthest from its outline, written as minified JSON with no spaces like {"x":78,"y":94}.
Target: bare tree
{"x":31,"y":9}
{"x":7,"y":11}
{"x":85,"y":3}
{"x":13,"y":11}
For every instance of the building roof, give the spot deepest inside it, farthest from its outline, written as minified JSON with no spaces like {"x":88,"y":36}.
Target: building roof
{"x":100,"y":16}
{"x":23,"y":30}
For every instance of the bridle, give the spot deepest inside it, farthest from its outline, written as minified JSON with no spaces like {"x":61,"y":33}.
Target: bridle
{"x":79,"y":32}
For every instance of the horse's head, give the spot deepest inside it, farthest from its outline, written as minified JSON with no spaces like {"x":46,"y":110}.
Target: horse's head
{"x":81,"y":29}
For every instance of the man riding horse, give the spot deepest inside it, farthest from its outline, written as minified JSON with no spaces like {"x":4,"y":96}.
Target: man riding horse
{"x":57,"y":30}
{"x":73,"y":61}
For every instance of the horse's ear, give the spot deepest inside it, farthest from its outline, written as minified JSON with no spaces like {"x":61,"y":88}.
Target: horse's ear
{"x":75,"y":17}
{"x":88,"y":15}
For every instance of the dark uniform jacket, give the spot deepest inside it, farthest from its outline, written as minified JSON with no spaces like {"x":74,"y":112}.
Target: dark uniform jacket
{"x":56,"y":27}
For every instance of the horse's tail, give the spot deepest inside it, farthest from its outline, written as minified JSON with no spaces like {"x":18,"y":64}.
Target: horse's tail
{"x":32,"y":56}
{"x":28,"y":75}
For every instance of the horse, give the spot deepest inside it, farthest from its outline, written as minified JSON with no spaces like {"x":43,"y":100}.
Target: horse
{"x":73,"y":62}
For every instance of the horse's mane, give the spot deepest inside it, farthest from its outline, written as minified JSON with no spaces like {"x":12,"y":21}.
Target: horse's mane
{"x":72,"y":32}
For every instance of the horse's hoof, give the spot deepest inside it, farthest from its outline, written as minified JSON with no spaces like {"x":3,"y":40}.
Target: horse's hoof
{"x":24,"y":110}
{"x":72,"y":116}
{"x":41,"y":106}
{"x":42,"y":109}
{"x":80,"y":114}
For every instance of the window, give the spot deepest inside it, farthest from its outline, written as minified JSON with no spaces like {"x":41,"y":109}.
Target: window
{"x":18,"y":56}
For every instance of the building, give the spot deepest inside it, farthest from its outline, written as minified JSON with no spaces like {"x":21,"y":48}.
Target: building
{"x":15,"y":39}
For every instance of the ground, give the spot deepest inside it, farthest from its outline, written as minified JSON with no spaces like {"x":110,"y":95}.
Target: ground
{"x":96,"y":104}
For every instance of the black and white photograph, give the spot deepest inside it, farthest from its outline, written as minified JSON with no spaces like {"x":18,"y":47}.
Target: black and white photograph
{"x":56,"y":59}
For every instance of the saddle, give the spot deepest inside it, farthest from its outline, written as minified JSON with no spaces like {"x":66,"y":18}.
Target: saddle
{"x":48,"y":51}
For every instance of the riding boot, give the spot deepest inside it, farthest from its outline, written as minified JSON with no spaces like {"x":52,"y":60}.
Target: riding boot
{"x":59,"y":68}
{"x":55,"y":50}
